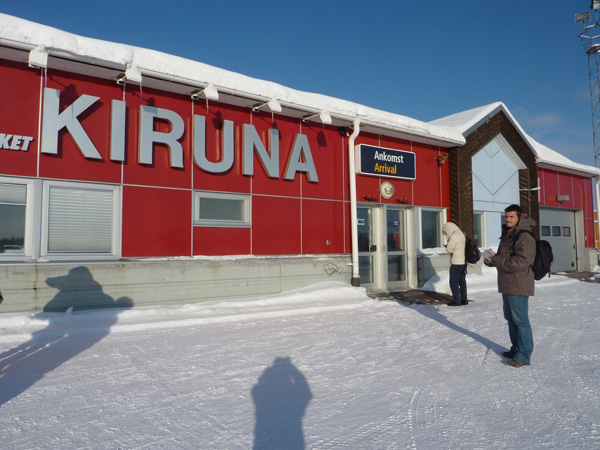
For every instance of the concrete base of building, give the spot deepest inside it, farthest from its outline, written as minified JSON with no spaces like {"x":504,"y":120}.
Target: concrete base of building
{"x":58,"y":286}
{"x":430,"y":265}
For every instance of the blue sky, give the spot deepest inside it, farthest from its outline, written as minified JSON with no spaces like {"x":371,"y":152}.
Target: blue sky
{"x":422,"y":59}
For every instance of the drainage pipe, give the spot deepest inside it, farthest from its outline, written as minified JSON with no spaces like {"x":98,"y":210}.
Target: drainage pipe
{"x":597,"y":227}
{"x":353,"y":210}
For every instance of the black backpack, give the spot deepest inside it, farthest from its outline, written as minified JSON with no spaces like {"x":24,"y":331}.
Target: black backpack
{"x":472,"y":254}
{"x":543,"y":257}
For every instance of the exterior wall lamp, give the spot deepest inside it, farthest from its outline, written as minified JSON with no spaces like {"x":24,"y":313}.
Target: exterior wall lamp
{"x":273,"y":105}
{"x":210,"y":92}
{"x":38,"y":57}
{"x":441,"y":158}
{"x":323,"y":115}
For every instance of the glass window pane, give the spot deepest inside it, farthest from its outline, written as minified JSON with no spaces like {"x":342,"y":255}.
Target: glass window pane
{"x":221,"y":209}
{"x":365,"y":269}
{"x":215,"y":209}
{"x":12,"y":228}
{"x":364,"y":228}
{"x":566,"y":231}
{"x":396,"y":270}
{"x":430,"y":229}
{"x":478,"y":229}
{"x":545,"y":230}
{"x":13,"y":198}
{"x":555,"y":231}
{"x":395,"y":230}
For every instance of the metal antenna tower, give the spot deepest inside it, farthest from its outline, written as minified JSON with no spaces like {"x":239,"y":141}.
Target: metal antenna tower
{"x":590,"y":38}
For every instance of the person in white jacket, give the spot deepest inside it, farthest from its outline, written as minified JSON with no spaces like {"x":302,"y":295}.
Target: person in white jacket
{"x":455,"y":245}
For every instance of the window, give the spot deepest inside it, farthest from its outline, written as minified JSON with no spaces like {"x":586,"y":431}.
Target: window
{"x":566,"y":231}
{"x":79,"y":218}
{"x":555,"y":231}
{"x":545,"y":230}
{"x":221,"y":210}
{"x":431,"y":231}
{"x":13,"y":202}
{"x":478,"y":229}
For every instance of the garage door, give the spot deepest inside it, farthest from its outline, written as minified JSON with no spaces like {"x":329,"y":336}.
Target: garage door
{"x":557,"y":226}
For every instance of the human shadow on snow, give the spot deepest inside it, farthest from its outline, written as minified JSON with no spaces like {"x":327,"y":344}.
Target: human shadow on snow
{"x":66,"y":335}
{"x":434,"y":313}
{"x":281,"y":396}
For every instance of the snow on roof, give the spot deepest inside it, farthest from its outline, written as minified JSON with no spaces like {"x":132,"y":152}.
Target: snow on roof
{"x":468,"y":121}
{"x":19,"y":32}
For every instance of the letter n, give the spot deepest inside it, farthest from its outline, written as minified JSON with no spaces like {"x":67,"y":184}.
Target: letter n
{"x":252,"y":142}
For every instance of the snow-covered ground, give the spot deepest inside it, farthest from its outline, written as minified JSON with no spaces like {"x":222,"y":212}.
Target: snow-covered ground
{"x":325,"y":367}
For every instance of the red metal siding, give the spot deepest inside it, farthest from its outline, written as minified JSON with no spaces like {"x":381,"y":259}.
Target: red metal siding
{"x":431,"y":185}
{"x":322,"y":222}
{"x":19,"y":108}
{"x":221,"y":241}
{"x":156,"y":222}
{"x":579,"y":190}
{"x":276,"y":226}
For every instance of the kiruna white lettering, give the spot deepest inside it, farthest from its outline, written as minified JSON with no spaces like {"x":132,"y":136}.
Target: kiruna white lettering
{"x":54,"y":121}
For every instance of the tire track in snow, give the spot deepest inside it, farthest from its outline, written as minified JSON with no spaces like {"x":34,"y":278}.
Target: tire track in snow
{"x":431,"y":428}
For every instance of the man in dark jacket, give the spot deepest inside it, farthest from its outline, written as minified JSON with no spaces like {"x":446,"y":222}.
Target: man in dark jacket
{"x":516,"y":282}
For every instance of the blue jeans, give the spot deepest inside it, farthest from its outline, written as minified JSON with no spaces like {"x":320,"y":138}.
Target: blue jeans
{"x":458,"y":282}
{"x":519,"y":329}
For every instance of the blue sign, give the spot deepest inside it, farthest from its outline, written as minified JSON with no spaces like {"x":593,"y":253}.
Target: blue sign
{"x":386,"y":162}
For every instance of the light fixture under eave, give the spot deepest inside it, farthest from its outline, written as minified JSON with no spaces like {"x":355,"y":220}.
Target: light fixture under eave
{"x":273,"y":105}
{"x":210,"y":92}
{"x":325,"y":118}
{"x":133,"y":74}
{"x":323,"y":115}
{"x":38,"y":57}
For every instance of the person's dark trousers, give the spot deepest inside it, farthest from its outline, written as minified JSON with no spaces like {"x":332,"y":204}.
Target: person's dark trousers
{"x":516,"y":313}
{"x":458,"y":282}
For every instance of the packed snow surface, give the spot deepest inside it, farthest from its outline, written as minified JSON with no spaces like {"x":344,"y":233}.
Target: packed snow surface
{"x":326,"y":367}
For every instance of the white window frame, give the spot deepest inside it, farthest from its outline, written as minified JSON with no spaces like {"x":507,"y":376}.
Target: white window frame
{"x":244,"y":223}
{"x":116,"y":221}
{"x":441,"y":221}
{"x":29,"y":218}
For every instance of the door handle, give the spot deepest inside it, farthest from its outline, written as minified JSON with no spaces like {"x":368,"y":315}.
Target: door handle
{"x":373,"y":248}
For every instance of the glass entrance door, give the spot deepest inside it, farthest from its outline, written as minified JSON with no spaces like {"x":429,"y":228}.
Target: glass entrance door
{"x":382,"y":259}
{"x":396,"y":248}
{"x":366,"y":244}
